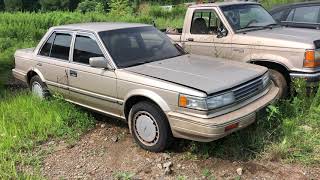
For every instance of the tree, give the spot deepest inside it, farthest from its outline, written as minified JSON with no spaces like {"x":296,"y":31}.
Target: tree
{"x":1,"y":5}
{"x":13,"y":5}
{"x":53,"y":5}
{"x":120,"y":7}
{"x":73,"y":4}
{"x":90,"y":6}
{"x":30,"y":5}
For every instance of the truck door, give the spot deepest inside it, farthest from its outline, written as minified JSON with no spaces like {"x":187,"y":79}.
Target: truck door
{"x":201,"y":36}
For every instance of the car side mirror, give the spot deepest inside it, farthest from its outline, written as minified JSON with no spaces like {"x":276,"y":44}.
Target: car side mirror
{"x":99,"y":62}
{"x":222,"y":32}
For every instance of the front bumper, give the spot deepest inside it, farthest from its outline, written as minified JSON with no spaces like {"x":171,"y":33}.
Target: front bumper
{"x":309,"y":77}
{"x":206,"y":130}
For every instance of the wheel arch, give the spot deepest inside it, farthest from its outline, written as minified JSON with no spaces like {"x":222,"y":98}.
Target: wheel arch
{"x":143,"y":95}
{"x":282,"y":68}
{"x":33,"y":72}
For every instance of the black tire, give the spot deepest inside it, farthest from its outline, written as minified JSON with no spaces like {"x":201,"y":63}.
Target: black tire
{"x":280,"y":81}
{"x":164,"y":135}
{"x":37,"y":79}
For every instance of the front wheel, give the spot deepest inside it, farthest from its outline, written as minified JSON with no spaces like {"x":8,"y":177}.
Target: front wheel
{"x":280,"y":81}
{"x":150,"y":127}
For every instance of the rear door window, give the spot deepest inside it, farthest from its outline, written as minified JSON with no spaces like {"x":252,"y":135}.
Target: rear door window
{"x":61,"y":46}
{"x":57,"y":46}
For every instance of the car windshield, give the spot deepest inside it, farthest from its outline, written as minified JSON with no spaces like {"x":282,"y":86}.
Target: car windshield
{"x":135,"y":46}
{"x":248,"y":17}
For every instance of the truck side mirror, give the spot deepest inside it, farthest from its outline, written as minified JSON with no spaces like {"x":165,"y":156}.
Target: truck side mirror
{"x":99,"y":62}
{"x":222,"y":32}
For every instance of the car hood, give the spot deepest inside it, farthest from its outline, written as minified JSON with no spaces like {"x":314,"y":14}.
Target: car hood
{"x":281,"y":37}
{"x":209,"y":75}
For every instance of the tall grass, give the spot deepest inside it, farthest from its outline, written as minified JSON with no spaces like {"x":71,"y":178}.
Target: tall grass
{"x":26,"y":121}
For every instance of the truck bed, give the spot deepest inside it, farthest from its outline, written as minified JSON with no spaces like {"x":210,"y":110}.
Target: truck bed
{"x":173,"y":33}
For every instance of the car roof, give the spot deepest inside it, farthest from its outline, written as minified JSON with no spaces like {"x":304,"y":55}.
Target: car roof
{"x":220,"y":4}
{"x":99,"y":26}
{"x":280,"y":7}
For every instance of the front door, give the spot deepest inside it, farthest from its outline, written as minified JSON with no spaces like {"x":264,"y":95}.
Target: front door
{"x":89,"y":86}
{"x":202,"y":37}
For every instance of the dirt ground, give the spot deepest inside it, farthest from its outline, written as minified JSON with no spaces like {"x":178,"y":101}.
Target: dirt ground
{"x":108,"y":150}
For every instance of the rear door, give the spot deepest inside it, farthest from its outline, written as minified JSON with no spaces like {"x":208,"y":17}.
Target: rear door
{"x":53,"y":61}
{"x":201,"y":36}
{"x":91,"y":87}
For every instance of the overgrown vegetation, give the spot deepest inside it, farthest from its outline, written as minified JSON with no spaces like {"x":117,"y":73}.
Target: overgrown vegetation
{"x":26,"y":121}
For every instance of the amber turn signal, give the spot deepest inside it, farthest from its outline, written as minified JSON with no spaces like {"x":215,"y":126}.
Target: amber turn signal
{"x":310,"y":60}
{"x":183,"y":101}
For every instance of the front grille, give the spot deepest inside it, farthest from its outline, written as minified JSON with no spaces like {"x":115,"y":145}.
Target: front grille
{"x":248,"y":90}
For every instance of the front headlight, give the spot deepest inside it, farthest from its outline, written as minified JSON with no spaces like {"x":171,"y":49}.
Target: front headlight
{"x":192,"y":102}
{"x":220,"y":100}
{"x":266,"y":79}
{"x":206,"y":103}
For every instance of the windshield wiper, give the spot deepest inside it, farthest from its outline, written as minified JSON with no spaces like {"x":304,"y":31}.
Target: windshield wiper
{"x":271,"y":25}
{"x":250,"y":27}
{"x":140,"y":63}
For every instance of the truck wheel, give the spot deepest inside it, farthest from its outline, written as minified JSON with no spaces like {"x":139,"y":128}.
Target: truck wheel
{"x":38,"y":88}
{"x":280,"y":81}
{"x":150,"y":127}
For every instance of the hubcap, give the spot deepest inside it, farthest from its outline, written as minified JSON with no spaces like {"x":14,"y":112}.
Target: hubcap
{"x":37,"y":89}
{"x":146,"y":128}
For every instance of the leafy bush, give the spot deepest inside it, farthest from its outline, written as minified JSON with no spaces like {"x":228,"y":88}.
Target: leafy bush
{"x":53,"y":5}
{"x":90,"y":6}
{"x":120,"y":8}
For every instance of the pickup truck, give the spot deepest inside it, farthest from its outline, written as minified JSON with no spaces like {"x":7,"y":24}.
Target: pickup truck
{"x":135,"y":72}
{"x":246,"y":32}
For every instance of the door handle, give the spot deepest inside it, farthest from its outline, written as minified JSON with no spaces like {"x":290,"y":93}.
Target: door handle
{"x":39,"y":64}
{"x":73,"y":73}
{"x":238,"y":50}
{"x":190,"y":39}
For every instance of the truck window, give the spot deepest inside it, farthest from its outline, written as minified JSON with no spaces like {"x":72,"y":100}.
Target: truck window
{"x":85,"y":48}
{"x":304,"y":14}
{"x":205,"y":22}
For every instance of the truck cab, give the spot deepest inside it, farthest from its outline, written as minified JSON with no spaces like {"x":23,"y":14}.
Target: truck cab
{"x":246,"y":32}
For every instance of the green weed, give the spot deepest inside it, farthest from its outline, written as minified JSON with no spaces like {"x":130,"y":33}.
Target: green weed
{"x":26,"y":122}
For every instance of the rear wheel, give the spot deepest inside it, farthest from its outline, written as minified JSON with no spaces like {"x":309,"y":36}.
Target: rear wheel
{"x":281,"y":82}
{"x":149,"y":126}
{"x":38,"y":88}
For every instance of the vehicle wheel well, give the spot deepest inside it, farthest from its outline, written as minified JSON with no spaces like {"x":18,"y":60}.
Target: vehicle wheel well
{"x":275,"y":66}
{"x":30,"y":75}
{"x":134,"y":100}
